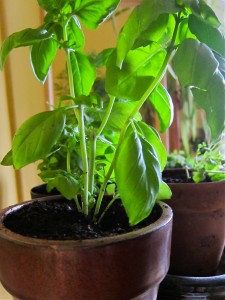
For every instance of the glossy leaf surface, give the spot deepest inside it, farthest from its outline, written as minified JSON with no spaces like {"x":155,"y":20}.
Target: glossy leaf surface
{"x":36,"y":136}
{"x":26,"y":37}
{"x":138,"y":176}
{"x":163,"y":105}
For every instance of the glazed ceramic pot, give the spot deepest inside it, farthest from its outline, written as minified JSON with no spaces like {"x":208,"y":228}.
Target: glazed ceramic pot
{"x":126,"y":266}
{"x":198,"y":236}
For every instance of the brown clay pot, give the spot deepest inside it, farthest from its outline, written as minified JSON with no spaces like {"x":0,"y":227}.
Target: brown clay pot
{"x":127,"y":266}
{"x":198,"y":236}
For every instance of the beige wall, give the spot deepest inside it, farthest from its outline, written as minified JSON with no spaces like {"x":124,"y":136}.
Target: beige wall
{"x":20,"y":95}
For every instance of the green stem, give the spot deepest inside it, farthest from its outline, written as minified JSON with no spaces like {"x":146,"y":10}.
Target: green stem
{"x":79,"y":113}
{"x":68,"y":159}
{"x":84,"y":158}
{"x":150,"y":89}
{"x":106,"y":116}
{"x":93,"y":141}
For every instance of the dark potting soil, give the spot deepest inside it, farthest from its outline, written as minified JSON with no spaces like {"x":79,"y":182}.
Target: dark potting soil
{"x":179,"y":176}
{"x":176,"y":177}
{"x":59,"y":220}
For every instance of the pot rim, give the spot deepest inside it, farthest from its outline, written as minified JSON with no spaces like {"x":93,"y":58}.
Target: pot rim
{"x":7,"y":234}
{"x":192,"y":281}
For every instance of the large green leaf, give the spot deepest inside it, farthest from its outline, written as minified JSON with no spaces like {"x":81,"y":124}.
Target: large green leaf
{"x":190,"y":60}
{"x":139,"y":69}
{"x":42,"y":55}
{"x":207,"y":34}
{"x":163,"y":105}
{"x":160,"y":31}
{"x":36,"y":136}
{"x":26,"y":37}
{"x":138,"y":176}
{"x":75,"y":34}
{"x":213,"y":102}
{"x":203,"y":76}
{"x":84,"y":73}
{"x":151,"y":135}
{"x":184,"y":32}
{"x":52,"y":4}
{"x":66,"y":184}
{"x":94,"y":12}
{"x":119,"y":115}
{"x":203,"y":11}
{"x":164,"y":192}
{"x":140,"y":22}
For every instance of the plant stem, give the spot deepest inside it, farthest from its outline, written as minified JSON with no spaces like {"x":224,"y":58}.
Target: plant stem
{"x":79,"y":113}
{"x":83,"y":149}
{"x":92,"y":155}
{"x":106,"y":116}
{"x":68,"y":161}
{"x":148,"y":92}
{"x":93,"y":141}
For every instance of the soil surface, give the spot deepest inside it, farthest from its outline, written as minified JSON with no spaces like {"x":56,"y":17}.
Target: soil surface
{"x":59,"y":220}
{"x":176,"y":176}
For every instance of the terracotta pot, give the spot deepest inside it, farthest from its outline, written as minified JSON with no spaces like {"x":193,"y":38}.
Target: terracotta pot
{"x":127,"y":266}
{"x":198,"y":229}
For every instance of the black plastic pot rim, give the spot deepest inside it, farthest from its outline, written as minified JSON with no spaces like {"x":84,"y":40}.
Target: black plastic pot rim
{"x":197,"y":281}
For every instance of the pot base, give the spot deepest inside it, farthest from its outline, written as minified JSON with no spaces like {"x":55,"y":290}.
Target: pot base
{"x":192,"y":288}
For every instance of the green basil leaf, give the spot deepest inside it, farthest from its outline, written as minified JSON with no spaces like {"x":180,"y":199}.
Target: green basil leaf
{"x":164,"y":192}
{"x":208,"y":87}
{"x":93,"y":12}
{"x":193,"y":57}
{"x":213,"y":103}
{"x":205,"y":33}
{"x":52,"y":4}
{"x":140,"y":22}
{"x":26,"y":37}
{"x":36,"y":136}
{"x":75,"y":34}
{"x":138,"y":176}
{"x":84,"y":73}
{"x":66,"y":184}
{"x":184,"y":32}
{"x":7,"y":159}
{"x":42,"y":55}
{"x":137,"y":73}
{"x":203,"y":11}
{"x":119,"y":115}
{"x":151,"y":135}
{"x":102,"y":57}
{"x":163,"y":105}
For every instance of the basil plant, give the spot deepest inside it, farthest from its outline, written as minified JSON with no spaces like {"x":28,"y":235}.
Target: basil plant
{"x":106,"y":146}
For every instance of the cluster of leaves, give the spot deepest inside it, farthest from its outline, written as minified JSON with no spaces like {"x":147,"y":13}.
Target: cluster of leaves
{"x":207,"y":165}
{"x":106,"y":141}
